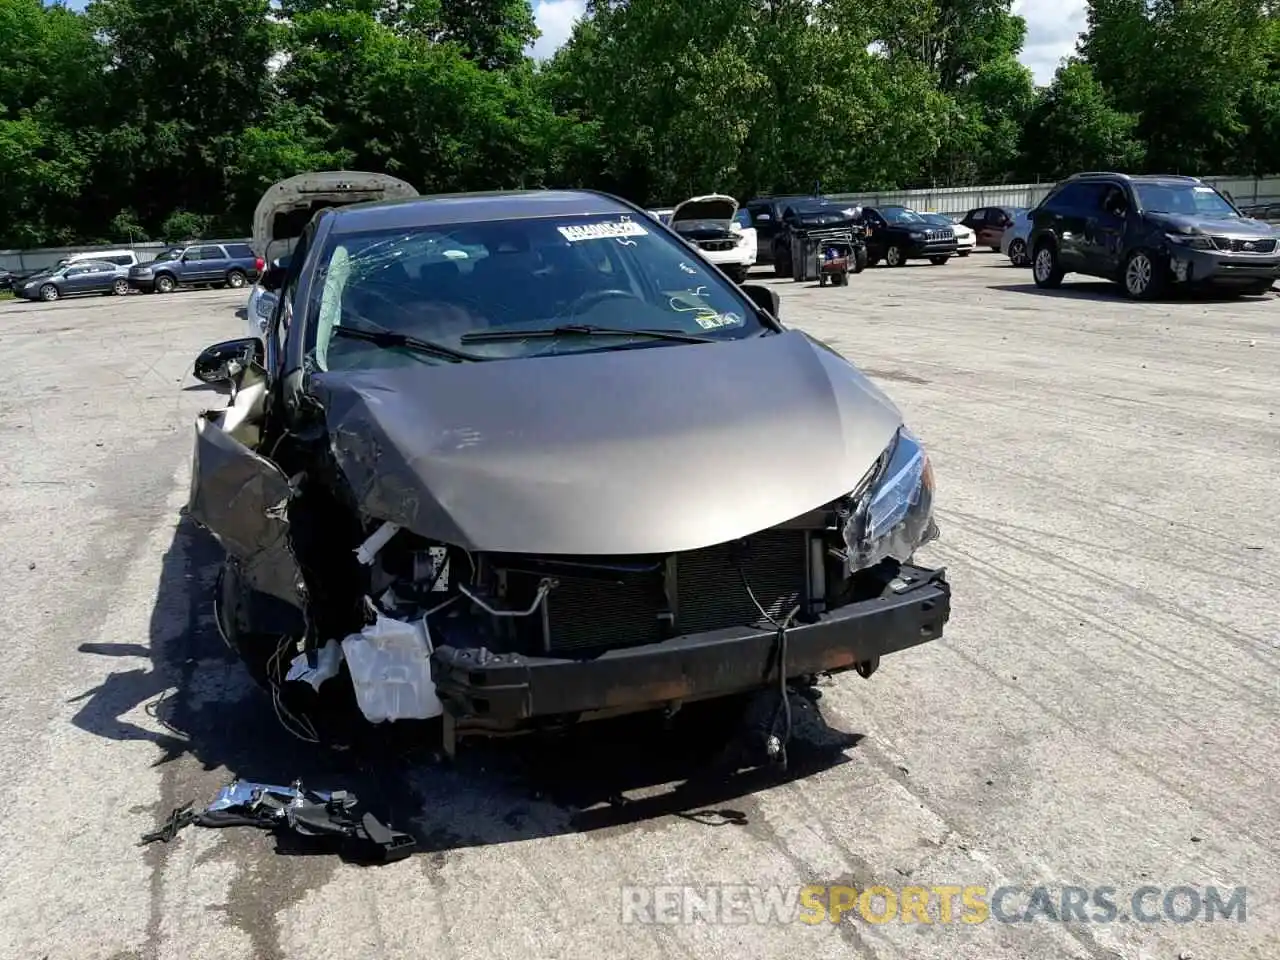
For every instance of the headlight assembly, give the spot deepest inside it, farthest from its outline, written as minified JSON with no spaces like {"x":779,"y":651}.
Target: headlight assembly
{"x":1193,"y":240}
{"x":894,"y":516}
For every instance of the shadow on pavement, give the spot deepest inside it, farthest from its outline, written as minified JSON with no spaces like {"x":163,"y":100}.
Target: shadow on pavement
{"x":1106,"y":290}
{"x":601,"y":775}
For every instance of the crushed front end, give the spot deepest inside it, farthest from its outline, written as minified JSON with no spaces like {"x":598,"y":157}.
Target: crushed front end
{"x":526,"y":641}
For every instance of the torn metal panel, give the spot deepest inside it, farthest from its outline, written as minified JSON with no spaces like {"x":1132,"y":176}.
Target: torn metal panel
{"x":620,"y":452}
{"x":242,"y":499}
{"x":334,"y":814}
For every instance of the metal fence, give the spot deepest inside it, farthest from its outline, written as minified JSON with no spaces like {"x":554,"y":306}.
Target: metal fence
{"x":24,"y":260}
{"x":1247,"y":191}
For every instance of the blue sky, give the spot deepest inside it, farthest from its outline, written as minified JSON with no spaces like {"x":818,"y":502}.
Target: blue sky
{"x":1052,"y":28}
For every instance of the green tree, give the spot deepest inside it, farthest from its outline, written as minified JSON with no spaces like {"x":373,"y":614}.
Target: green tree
{"x":185,"y":78}
{"x":49,"y":67}
{"x":1191,"y":70}
{"x":1075,"y":127}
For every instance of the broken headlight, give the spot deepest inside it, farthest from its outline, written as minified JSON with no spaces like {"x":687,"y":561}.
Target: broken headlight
{"x":893,"y":517}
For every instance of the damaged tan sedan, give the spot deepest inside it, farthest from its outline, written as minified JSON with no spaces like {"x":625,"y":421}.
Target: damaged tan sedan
{"x":514,"y":461}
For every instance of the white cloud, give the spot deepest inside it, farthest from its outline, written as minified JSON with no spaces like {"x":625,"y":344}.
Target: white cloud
{"x":1053,"y":26}
{"x":555,"y":19}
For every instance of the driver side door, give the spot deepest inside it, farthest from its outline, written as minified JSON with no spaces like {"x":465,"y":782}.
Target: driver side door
{"x":1104,"y":228}
{"x":877,"y":233}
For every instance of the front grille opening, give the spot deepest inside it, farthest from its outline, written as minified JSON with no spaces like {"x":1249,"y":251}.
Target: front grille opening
{"x":710,"y":589}
{"x":1235,"y":245}
{"x":702,"y":590}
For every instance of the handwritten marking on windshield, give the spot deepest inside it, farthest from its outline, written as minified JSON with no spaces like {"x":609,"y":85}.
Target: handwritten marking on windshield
{"x":602,"y":231}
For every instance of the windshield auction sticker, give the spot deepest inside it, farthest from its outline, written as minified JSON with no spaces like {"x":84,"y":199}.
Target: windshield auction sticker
{"x":603,"y":231}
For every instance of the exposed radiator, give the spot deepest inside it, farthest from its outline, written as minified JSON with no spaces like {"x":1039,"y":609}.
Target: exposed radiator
{"x":589,"y":614}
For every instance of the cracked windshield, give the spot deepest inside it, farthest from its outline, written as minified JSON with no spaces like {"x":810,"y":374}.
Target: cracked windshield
{"x":503,"y":289}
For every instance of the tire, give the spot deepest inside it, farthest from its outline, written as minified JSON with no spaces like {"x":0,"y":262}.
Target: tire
{"x":49,"y":293}
{"x":963,"y":253}
{"x":164,"y":283}
{"x":1261,"y":288}
{"x":1046,"y":271}
{"x":782,"y":266}
{"x":893,"y":256}
{"x":1018,"y":253}
{"x":235,"y":279}
{"x":938,"y":261}
{"x":860,"y":260}
{"x":120,"y":288}
{"x":1143,"y":277}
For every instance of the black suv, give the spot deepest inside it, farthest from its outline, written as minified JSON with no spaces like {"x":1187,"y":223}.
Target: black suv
{"x":1149,"y":233}
{"x":897,"y":234}
{"x":775,"y":218}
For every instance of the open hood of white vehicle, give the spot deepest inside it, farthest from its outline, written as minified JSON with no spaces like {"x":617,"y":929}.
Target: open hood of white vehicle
{"x":712,"y":208}
{"x":288,"y":206}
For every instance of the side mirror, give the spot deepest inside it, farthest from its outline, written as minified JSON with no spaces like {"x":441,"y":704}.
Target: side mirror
{"x":766,"y":298}
{"x":222,"y":361}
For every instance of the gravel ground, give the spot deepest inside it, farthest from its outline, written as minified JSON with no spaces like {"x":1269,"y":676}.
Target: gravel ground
{"x":1101,"y":713}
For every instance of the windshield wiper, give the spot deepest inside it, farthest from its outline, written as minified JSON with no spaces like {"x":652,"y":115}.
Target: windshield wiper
{"x":389,"y":338}
{"x":580,"y":330}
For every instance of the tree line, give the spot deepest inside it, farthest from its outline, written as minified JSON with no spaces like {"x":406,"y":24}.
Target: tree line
{"x":160,"y":119}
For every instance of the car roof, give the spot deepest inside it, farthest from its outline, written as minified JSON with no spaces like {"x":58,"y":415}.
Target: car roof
{"x":91,"y":263}
{"x":449,"y":208}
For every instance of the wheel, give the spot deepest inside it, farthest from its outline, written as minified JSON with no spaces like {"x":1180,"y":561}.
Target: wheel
{"x":1047,"y":272}
{"x":1018,"y":253}
{"x":235,"y":279}
{"x":964,"y":253}
{"x":164,"y":283}
{"x":860,"y":260}
{"x":1257,"y":289}
{"x":49,"y":293}
{"x":893,"y":256}
{"x":1143,"y":276}
{"x":938,"y":261}
{"x":120,"y":287}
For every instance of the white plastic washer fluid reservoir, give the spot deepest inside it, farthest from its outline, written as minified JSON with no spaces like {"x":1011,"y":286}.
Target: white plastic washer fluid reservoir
{"x":390,"y":665}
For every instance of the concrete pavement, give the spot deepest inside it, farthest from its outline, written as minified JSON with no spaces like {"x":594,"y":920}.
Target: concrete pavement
{"x":1101,"y":713}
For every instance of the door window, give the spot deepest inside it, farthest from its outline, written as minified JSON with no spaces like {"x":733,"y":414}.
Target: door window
{"x":208,"y":253}
{"x":1077,"y":197}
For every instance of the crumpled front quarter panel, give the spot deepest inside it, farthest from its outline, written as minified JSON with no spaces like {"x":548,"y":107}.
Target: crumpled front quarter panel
{"x":241,"y":498}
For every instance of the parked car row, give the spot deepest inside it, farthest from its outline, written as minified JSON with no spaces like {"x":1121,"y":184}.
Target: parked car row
{"x":120,"y":271}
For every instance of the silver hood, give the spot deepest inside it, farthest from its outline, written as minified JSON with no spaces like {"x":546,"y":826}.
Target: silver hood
{"x":286,"y":207}
{"x":653,"y":450}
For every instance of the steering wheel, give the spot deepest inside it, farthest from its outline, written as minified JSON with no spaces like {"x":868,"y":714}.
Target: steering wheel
{"x":592,"y":297}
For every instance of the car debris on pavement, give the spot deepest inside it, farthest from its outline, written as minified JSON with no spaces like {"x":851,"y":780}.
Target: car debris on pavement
{"x":335,"y":815}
